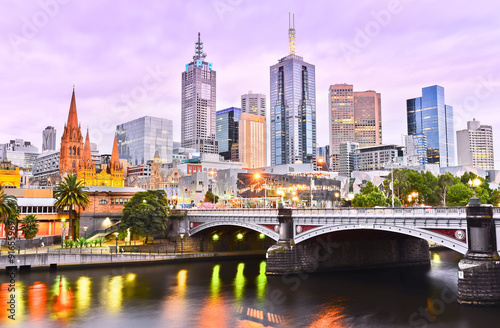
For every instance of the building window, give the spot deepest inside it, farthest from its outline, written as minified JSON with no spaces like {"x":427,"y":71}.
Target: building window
{"x":103,"y":202}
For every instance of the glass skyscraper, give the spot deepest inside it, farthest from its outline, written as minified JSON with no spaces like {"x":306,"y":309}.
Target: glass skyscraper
{"x":293,"y":109}
{"x":431,"y":116}
{"x":227,"y":130}
{"x":138,"y":140}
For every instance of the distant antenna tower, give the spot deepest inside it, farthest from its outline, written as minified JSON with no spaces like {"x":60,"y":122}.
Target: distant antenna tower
{"x":198,"y":49}
{"x":291,"y":33}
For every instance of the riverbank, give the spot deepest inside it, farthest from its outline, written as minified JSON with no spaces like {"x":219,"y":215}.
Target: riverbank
{"x":27,"y":263}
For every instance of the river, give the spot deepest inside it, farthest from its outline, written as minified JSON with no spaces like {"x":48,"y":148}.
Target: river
{"x":229,"y":293}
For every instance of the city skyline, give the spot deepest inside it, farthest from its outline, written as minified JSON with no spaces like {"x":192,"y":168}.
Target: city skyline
{"x":108,"y":61}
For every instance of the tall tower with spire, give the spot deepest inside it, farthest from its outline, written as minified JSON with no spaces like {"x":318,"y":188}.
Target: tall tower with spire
{"x":293,"y":108}
{"x":115,"y":168}
{"x":86,"y":170}
{"x":71,"y":142}
{"x":198,"y":104}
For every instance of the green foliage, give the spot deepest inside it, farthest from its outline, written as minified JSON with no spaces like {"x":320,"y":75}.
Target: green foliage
{"x":29,"y":226}
{"x":146,"y":214}
{"x":70,"y":193}
{"x":209,"y":197}
{"x":69,"y":243}
{"x":369,"y":196}
{"x":8,"y":207}
{"x":99,"y":240}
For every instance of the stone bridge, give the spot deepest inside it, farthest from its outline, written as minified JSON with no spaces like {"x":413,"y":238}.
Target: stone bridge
{"x":446,"y":226}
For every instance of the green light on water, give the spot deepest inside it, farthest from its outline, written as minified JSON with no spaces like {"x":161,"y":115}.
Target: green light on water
{"x":261,"y":282}
{"x":239,"y":282}
{"x":215,"y":283}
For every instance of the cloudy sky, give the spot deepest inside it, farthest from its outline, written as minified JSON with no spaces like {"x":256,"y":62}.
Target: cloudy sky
{"x":125,"y":57}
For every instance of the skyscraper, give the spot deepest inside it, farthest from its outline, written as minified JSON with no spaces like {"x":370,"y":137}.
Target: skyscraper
{"x":293,"y":108}
{"x":138,"y":140}
{"x":227,"y":130}
{"x":253,"y":103}
{"x":355,"y":116}
{"x":475,"y":146}
{"x":198,"y":129}
{"x":431,"y":116}
{"x":49,"y":138}
{"x":252,"y":141}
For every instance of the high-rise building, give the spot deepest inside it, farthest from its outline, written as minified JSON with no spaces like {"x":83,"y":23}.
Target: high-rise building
{"x":376,"y":157}
{"x":475,"y":146}
{"x":227,"y":124}
{"x":198,"y":129}
{"x":324,"y":152}
{"x":253,"y":103}
{"x":49,"y":139}
{"x":416,"y":149}
{"x":252,"y":141}
{"x":355,"y":116}
{"x":431,"y":116}
{"x":138,"y":140}
{"x":347,"y":150}
{"x":293,"y":109}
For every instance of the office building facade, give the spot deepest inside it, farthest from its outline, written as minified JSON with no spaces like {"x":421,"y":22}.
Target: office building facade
{"x":293,"y":109}
{"x":252,"y":141}
{"x":49,"y":138}
{"x":416,"y":149}
{"x":376,"y":157}
{"x":253,"y":103}
{"x":355,"y":116}
{"x":227,"y":125}
{"x":475,"y":146}
{"x":198,"y":113}
{"x":431,"y":116}
{"x":347,"y":151}
{"x":138,"y":140}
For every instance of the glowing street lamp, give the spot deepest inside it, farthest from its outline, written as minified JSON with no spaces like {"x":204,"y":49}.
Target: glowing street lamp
{"x":182,"y":242}
{"x":85,"y":230}
{"x":257,"y":176}
{"x":474,"y":184}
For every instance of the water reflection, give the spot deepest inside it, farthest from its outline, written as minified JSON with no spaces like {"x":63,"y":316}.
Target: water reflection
{"x":214,"y":312}
{"x":261,"y":281}
{"x":216,"y":282}
{"x":83,"y":294}
{"x":62,"y":299}
{"x":239,"y":282}
{"x":176,"y":305}
{"x":37,"y":297}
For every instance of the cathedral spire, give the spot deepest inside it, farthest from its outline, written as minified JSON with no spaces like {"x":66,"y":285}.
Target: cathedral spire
{"x":115,"y":157}
{"x":72,"y":117}
{"x":87,"y":154}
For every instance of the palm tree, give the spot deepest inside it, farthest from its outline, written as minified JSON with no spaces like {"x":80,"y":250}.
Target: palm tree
{"x":8,"y":207}
{"x":70,"y":193}
{"x":29,"y":226}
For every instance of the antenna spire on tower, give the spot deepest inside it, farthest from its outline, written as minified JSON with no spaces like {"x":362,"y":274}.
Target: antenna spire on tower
{"x":198,"y":49}
{"x":291,"y":33}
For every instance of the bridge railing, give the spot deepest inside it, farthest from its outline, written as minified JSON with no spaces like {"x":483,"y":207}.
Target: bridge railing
{"x":339,"y":211}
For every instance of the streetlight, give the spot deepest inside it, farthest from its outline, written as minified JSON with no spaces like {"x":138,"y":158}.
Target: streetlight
{"x":116,"y":237}
{"x":63,"y":232}
{"x":474,"y":184}
{"x":257,"y":176}
{"x":174,"y":199}
{"x":85,"y":230}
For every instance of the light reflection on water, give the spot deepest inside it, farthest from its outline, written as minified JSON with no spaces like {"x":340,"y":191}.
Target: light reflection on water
{"x":237,"y":294}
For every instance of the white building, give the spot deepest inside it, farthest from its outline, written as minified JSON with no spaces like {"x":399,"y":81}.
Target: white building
{"x":475,"y":146}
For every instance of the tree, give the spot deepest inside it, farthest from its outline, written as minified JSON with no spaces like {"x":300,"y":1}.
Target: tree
{"x":458,"y":195}
{"x":29,"y":226}
{"x":9,"y":211}
{"x":209,"y":197}
{"x":70,"y":193}
{"x":369,"y":196}
{"x":444,"y":182}
{"x":146,"y":214}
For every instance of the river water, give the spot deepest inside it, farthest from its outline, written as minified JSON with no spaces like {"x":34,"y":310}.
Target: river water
{"x":238,"y":294}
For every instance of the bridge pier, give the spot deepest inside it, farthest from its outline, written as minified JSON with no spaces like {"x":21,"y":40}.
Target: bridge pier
{"x":479,"y":270}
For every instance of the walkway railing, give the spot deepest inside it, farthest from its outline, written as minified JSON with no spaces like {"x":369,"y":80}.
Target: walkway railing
{"x":108,"y":230}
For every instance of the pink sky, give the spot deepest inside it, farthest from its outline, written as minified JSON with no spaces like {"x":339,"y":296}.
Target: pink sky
{"x":125,"y":58}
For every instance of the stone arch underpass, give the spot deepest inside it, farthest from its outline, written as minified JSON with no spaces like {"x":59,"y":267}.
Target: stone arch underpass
{"x":196,"y":227}
{"x":425,"y":234}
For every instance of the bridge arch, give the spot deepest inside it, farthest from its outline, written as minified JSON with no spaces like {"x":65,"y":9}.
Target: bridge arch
{"x":252,"y":226}
{"x":448,"y":242}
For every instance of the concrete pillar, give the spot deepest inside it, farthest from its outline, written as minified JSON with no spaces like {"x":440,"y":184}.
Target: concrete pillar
{"x":281,"y":258}
{"x":479,"y":271}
